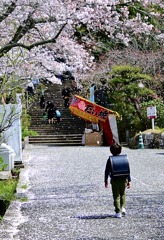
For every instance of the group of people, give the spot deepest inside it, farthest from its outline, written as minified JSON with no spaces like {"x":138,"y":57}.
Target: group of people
{"x":51,"y":112}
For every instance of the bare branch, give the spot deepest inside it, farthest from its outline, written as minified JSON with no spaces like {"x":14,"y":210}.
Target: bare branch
{"x":14,"y":42}
{"x":11,"y":118}
{"x":9,"y":10}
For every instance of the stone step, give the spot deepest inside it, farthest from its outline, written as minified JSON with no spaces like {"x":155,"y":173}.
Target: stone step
{"x":38,"y":114}
{"x":71,"y":136}
{"x":39,"y":124}
{"x":59,"y":144}
{"x":36,"y":108}
{"x":40,"y":133}
{"x":68,"y":132}
{"x":72,"y":119}
{"x":54,"y":126}
{"x":56,"y":129}
{"x":55,"y":140}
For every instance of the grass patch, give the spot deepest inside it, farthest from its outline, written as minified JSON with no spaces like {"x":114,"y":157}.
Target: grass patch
{"x":25,"y":199}
{"x":7,"y":194}
{"x":25,"y":186}
{"x":8,"y":189}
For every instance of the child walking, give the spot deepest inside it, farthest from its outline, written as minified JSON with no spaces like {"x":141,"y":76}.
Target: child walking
{"x":118,"y":183}
{"x":58,"y":116}
{"x":44,"y":118}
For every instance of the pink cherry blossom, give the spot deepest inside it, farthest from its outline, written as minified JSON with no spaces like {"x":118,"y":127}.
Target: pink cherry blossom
{"x":38,"y":37}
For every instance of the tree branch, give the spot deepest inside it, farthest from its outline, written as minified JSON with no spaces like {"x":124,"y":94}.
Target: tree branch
{"x":6,"y":120}
{"x":9,"y":10}
{"x":14,"y":42}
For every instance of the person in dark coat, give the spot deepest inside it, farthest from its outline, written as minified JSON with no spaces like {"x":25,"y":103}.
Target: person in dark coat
{"x":66,"y":96}
{"x":50,"y":111}
{"x":49,"y":105}
{"x":42,"y":102}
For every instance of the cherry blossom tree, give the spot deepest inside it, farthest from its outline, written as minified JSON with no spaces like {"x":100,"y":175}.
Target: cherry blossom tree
{"x":43,"y":38}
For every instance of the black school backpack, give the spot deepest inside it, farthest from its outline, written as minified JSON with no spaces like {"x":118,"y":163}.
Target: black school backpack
{"x":119,"y":166}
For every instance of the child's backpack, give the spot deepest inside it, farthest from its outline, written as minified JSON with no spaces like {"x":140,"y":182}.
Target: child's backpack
{"x":119,"y":166}
{"x":58,"y":114}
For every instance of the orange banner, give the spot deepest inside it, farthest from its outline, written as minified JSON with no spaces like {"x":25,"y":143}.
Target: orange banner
{"x":89,"y":111}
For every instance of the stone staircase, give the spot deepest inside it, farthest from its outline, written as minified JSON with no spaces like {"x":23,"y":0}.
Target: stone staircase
{"x":67,"y":133}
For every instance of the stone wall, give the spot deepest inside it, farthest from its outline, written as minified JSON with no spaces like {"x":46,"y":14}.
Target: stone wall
{"x":151,"y":139}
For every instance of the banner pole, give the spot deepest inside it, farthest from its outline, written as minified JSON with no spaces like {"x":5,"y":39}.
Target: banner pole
{"x":152,"y":121}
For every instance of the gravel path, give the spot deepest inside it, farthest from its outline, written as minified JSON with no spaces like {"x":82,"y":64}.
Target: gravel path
{"x":62,"y":196}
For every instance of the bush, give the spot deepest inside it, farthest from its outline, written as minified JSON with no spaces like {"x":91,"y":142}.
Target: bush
{"x":26,"y":120}
{"x":2,"y":165}
{"x":7,"y":194}
{"x":26,"y":132}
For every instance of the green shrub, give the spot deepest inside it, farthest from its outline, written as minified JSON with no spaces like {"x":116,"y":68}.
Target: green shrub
{"x":26,"y":121}
{"x":7,"y":189}
{"x":2,"y":165}
{"x":26,"y":132}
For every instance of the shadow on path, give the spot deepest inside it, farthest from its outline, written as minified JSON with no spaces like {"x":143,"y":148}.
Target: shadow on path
{"x":101,"y":216}
{"x":160,"y":153}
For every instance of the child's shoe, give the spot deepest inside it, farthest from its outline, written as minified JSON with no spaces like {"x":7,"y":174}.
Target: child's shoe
{"x":123,"y":212}
{"x":118,"y":215}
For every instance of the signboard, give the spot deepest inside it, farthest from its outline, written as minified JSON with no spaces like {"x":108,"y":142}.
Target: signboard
{"x":89,"y":111}
{"x":151,"y":112}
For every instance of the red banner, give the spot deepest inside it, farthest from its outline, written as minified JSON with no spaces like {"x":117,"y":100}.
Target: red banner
{"x":89,"y":111}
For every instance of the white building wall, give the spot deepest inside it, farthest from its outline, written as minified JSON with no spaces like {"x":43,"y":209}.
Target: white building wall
{"x":13,"y":135}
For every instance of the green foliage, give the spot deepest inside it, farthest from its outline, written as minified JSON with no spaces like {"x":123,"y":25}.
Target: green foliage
{"x":136,"y":8}
{"x":7,"y":189}
{"x":25,"y":199}
{"x":128,"y":74}
{"x":159,"y":121}
{"x":26,"y":119}
{"x":25,"y":186}
{"x":10,"y":87}
{"x":2,"y":165}
{"x":124,"y":80}
{"x":126,"y":97}
{"x":26,"y":132}
{"x":7,"y":194}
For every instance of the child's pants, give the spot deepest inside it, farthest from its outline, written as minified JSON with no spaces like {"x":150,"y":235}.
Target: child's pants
{"x":118,"y":189}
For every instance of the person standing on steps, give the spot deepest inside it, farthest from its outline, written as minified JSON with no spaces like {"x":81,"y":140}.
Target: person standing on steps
{"x":48,"y":105}
{"x":66,"y":96}
{"x":30,"y":88}
{"x":42,"y":102}
{"x":44,"y":118}
{"x":50,"y":112}
{"x":58,"y":116}
{"x":118,"y":182}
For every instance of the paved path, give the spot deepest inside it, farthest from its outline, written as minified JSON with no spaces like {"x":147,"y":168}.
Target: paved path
{"x":62,"y":197}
